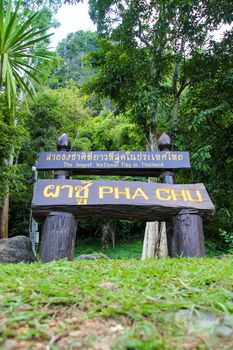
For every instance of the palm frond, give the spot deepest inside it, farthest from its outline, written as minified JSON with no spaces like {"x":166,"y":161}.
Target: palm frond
{"x":28,"y":35}
{"x":23,"y":30}
{"x":27,"y":44}
{"x":1,"y":18}
{"x":18,"y":36}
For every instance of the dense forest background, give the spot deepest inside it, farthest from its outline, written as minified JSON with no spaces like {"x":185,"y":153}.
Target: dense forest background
{"x":152,"y":67}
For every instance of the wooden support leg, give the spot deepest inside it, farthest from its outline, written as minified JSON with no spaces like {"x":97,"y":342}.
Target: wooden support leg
{"x":170,"y":244}
{"x":58,"y":237}
{"x":188,"y":237}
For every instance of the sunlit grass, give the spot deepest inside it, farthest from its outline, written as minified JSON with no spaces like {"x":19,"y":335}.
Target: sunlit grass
{"x":142,"y":292}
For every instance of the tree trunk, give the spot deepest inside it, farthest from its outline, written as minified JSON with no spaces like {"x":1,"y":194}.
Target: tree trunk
{"x":163,"y":246}
{"x":58,"y":237}
{"x":170,"y":238}
{"x":153,"y":246}
{"x":108,"y":232}
{"x":4,"y":211}
{"x":175,"y":114}
{"x":155,"y":241}
{"x":151,"y":240}
{"x":113,"y":234}
{"x":175,"y":79}
{"x":188,"y":234}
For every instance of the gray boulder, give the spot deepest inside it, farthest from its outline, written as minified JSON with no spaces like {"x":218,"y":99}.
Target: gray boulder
{"x":16,"y":249}
{"x":93,"y":256}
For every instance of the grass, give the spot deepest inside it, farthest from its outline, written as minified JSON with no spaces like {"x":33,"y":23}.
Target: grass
{"x":129,"y":249}
{"x":123,"y":250}
{"x":115,"y":304}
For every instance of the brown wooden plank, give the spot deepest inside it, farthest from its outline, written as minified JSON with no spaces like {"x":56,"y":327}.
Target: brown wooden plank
{"x":132,"y":163}
{"x":118,"y":199}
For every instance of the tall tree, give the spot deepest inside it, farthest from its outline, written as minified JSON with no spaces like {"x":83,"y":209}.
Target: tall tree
{"x":18,"y":35}
{"x":166,"y":34}
{"x":206,"y":112}
{"x":169,"y":31}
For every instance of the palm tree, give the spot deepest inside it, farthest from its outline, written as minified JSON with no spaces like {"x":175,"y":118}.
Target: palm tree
{"x":19,"y":34}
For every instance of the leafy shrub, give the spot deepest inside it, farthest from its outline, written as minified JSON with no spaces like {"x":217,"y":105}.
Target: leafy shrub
{"x":228,"y":238}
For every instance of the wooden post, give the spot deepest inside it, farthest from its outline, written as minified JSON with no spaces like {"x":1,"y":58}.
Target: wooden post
{"x":185,"y":231}
{"x":58,"y":238}
{"x":188,"y":237}
{"x":167,"y":177}
{"x":59,"y":232}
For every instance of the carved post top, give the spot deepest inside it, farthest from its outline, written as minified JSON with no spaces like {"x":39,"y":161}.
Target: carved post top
{"x":63,"y":143}
{"x":164,"y":142}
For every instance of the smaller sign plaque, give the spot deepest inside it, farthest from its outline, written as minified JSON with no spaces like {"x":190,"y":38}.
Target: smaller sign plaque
{"x":114,"y":163}
{"x":130,"y":200}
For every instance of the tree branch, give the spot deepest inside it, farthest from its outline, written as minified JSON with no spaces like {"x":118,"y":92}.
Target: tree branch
{"x":139,"y":36}
{"x":175,"y":77}
{"x":182,"y":87}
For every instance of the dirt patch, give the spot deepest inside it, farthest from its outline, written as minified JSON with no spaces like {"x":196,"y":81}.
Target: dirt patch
{"x":94,"y":333}
{"x":57,"y":327}
{"x":63,"y":329}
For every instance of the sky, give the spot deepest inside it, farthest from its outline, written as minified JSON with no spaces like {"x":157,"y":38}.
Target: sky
{"x":72,"y":19}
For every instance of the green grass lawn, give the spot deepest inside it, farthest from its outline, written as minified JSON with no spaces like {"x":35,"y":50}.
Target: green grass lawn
{"x":127,"y":249}
{"x":117,"y":304}
{"x":123,"y":250}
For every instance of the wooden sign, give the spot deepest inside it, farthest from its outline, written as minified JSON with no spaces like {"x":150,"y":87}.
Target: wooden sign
{"x":118,"y":199}
{"x":113,"y":163}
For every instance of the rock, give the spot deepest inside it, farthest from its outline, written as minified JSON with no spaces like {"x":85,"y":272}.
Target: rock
{"x":109,"y":285}
{"x":116,"y":328}
{"x":201,"y":322}
{"x":16,"y":249}
{"x":223,"y":256}
{"x":94,"y":256}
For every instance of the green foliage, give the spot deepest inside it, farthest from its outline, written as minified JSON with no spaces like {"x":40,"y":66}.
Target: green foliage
{"x":37,"y":5}
{"x":228,"y":238}
{"x":205,"y":130}
{"x":158,"y":57}
{"x":74,"y":50}
{"x":18,"y":35}
{"x":109,"y":132}
{"x":22,"y":40}
{"x":120,"y":69}
{"x":46,"y":71}
{"x":152,"y":56}
{"x":50,"y":114}
{"x":10,"y":143}
{"x":138,"y":19}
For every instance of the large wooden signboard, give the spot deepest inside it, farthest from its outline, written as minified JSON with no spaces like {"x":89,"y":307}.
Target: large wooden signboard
{"x":113,"y":163}
{"x":118,"y":199}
